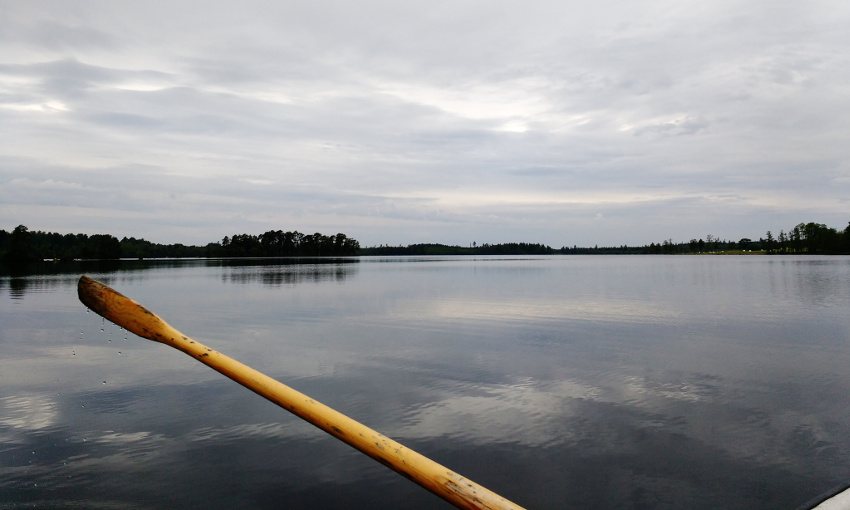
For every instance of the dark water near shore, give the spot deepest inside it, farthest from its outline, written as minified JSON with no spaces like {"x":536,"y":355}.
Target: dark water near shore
{"x":558,"y":382}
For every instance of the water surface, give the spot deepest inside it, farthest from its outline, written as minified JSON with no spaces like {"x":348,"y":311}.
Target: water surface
{"x":558,"y":382}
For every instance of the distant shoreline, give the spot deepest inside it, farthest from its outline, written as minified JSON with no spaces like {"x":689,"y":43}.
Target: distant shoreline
{"x":22,"y":246}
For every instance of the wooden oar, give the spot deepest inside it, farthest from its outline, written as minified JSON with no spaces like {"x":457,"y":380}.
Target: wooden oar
{"x":440,"y":480}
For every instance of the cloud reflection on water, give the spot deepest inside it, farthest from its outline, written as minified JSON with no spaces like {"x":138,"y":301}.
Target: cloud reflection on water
{"x":27,"y":412}
{"x":529,"y":309}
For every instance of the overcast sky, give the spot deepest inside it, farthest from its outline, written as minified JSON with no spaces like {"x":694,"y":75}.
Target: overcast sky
{"x":559,"y":122}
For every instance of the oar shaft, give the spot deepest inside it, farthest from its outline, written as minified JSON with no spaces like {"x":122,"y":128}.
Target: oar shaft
{"x":438,"y":479}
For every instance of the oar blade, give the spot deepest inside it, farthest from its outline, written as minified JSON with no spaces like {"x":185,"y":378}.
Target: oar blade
{"x":121,"y":310}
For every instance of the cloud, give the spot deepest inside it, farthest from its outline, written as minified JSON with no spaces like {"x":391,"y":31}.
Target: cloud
{"x":357,"y":116}
{"x":679,"y":126}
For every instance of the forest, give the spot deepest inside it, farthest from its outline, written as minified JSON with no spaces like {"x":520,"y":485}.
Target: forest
{"x":805,"y":238}
{"x":442,"y":249}
{"x":276,"y":243}
{"x":22,"y":246}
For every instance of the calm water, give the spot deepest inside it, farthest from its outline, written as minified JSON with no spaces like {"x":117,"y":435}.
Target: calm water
{"x":558,"y":382}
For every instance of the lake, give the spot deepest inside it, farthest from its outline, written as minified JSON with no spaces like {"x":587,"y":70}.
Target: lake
{"x":609,"y":382}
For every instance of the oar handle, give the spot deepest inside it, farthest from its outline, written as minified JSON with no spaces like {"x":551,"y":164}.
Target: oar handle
{"x":438,"y":479}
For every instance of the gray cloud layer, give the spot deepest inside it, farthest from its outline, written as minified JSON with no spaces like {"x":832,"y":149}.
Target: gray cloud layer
{"x":617,"y":122}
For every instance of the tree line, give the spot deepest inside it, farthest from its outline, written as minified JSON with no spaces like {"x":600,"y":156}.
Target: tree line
{"x":22,"y":246}
{"x":442,"y":249}
{"x":805,"y":238}
{"x":276,"y":243}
